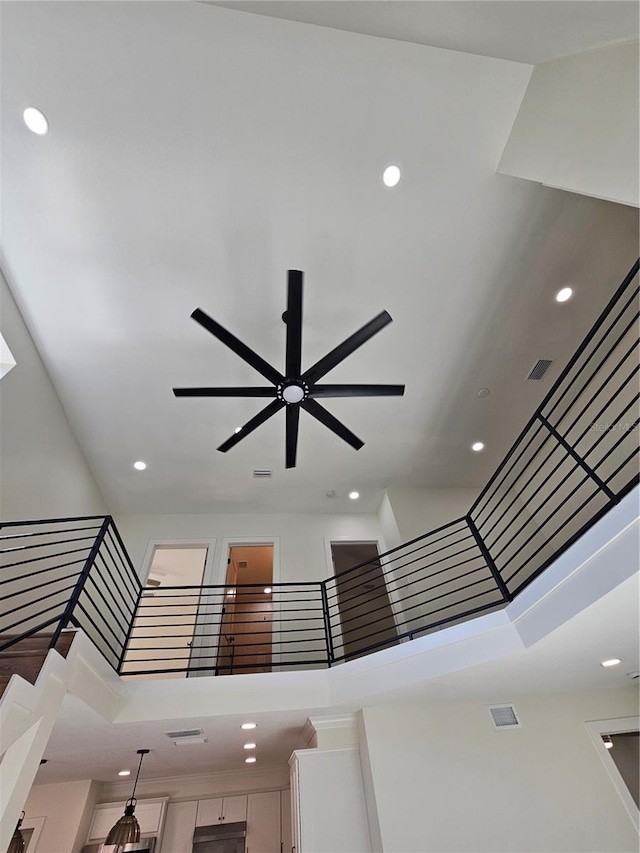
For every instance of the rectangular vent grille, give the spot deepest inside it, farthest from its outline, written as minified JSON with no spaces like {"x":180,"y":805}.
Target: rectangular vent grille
{"x":504,"y":717}
{"x":184,"y":733}
{"x":242,"y":564}
{"x":539,"y":369}
{"x":262,"y":473}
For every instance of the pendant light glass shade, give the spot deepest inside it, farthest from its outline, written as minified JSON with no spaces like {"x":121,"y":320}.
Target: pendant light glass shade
{"x":16,"y":844}
{"x":127,"y":829}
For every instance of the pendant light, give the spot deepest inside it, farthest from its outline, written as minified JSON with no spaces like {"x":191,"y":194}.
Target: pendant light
{"x":127,"y":829}
{"x":17,"y":840}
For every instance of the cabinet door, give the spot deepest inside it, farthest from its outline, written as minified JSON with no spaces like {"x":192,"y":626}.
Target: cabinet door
{"x":286,"y":834}
{"x":179,"y":826}
{"x":234,"y":809}
{"x":263,"y":823}
{"x":209,"y":811}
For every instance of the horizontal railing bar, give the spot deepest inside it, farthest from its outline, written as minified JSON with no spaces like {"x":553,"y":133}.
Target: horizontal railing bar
{"x":132,"y":588}
{"x":192,"y":668}
{"x":616,"y":420}
{"x":18,"y":548}
{"x":26,"y":634}
{"x":564,"y":523}
{"x":86,"y":594}
{"x":130,"y":598}
{"x":35,"y":601}
{"x":42,"y":571}
{"x":114,"y":535}
{"x":592,"y":354}
{"x":45,"y":557}
{"x":6,"y":628}
{"x":574,"y":470}
{"x":633,"y":453}
{"x":32,"y":534}
{"x":35,"y":586}
{"x":125,"y":617}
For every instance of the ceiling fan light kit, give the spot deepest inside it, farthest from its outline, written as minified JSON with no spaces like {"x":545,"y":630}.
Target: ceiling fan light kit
{"x":294,"y":390}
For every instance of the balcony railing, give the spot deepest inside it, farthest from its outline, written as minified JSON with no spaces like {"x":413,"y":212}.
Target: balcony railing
{"x":575,"y":459}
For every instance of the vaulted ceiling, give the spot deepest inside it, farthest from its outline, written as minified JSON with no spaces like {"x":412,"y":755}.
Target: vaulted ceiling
{"x":196,"y":153}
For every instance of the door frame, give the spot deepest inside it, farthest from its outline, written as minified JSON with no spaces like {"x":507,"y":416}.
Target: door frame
{"x":221,"y":573}
{"x":597,"y":728}
{"x":207,"y":573}
{"x":392,"y":592}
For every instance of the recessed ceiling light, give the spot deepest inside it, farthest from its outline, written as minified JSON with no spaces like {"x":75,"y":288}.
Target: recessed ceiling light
{"x":354,"y":495}
{"x":477,"y":446}
{"x":391,"y":176}
{"x":139,"y":466}
{"x":250,"y":760}
{"x":267,"y":590}
{"x":610,"y":662}
{"x":36,"y":121}
{"x":249,"y":746}
{"x":124,"y":773}
{"x":564,"y":294}
{"x":608,"y":742}
{"x":248,"y":726}
{"x":483,"y":392}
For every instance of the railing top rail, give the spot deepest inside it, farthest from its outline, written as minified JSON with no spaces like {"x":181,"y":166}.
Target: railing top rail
{"x":611,"y":304}
{"x":404,"y":545}
{"x":99,"y":518}
{"x":226,"y":586}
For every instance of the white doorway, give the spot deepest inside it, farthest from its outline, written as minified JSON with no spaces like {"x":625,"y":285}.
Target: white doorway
{"x":162,"y":637}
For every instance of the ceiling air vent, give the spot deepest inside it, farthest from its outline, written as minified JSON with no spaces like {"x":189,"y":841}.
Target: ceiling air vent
{"x":262,"y":473}
{"x":539,"y":369}
{"x":184,"y":733}
{"x":504,"y":717}
{"x":242,"y":564}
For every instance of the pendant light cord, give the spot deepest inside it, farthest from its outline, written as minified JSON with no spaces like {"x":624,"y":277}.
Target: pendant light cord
{"x":142,"y":753}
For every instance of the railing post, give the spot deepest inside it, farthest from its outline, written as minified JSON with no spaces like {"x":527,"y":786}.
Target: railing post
{"x":577,"y":458}
{"x":129,"y":630}
{"x":506,"y":595}
{"x":327,"y":623}
{"x":80,"y":583}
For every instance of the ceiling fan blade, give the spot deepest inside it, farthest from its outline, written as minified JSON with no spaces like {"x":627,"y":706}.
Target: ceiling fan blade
{"x":224,"y":392}
{"x":318,"y":370}
{"x":255,"y":422}
{"x":326,"y":418}
{"x":293,"y":358}
{"x":293,"y":419}
{"x":357,"y":391}
{"x":238,"y":347}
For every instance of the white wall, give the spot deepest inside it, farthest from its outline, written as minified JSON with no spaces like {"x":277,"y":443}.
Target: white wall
{"x":445,"y":780}
{"x":577,"y":128}
{"x":43,"y":473}
{"x":417,"y":511}
{"x":67,"y":807}
{"x":303,"y":538}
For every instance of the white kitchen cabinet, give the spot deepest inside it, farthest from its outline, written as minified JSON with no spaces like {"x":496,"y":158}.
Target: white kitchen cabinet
{"x":150,"y":815}
{"x":330,"y":814}
{"x":221,"y":810}
{"x":286,"y":822}
{"x":179,"y":827}
{"x":263,"y":823}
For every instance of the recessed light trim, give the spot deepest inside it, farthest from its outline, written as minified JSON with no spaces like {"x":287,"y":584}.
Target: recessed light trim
{"x":391,"y":176}
{"x":250,"y":760}
{"x":248,"y":726}
{"x":477,"y":446}
{"x":249,"y":746}
{"x":124,"y":772}
{"x":610,"y":662}
{"x":564,"y":294}
{"x":354,"y":495}
{"x":36,"y":121}
{"x":139,"y":465}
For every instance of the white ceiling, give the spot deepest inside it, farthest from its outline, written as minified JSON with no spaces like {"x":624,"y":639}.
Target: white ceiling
{"x":83,"y":745}
{"x":196,"y":153}
{"x":520,"y":30}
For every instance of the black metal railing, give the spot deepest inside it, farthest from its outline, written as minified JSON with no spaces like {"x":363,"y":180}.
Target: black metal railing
{"x":575,"y":459}
{"x":67,"y":573}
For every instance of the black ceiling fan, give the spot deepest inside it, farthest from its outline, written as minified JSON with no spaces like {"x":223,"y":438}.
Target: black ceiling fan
{"x":294,"y":389}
